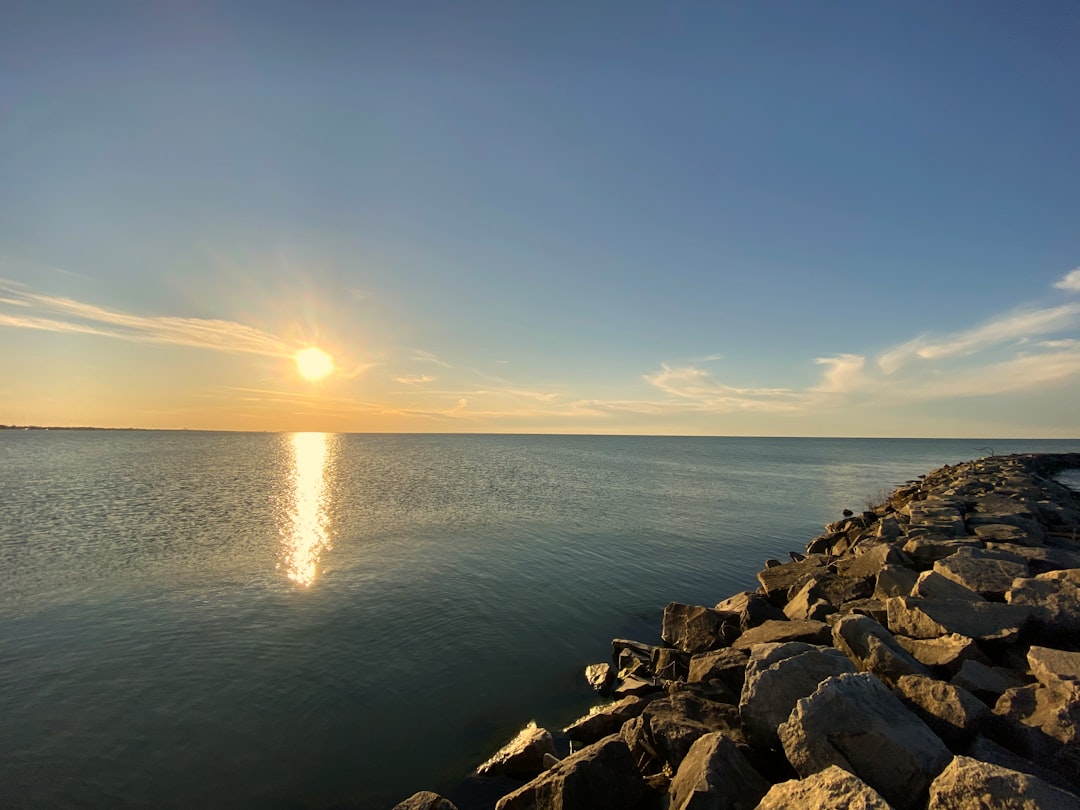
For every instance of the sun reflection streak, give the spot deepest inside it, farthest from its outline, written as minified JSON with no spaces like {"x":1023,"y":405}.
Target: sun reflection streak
{"x":305,"y":525}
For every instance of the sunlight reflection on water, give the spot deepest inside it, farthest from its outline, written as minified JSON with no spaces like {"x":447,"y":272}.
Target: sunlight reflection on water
{"x":304,"y":525}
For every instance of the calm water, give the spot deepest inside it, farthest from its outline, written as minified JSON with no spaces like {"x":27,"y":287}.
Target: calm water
{"x":304,"y":620}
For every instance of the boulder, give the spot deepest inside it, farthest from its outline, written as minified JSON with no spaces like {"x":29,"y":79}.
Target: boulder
{"x":929,"y":618}
{"x":1053,"y":598}
{"x":778,"y":632}
{"x":727,"y":666}
{"x":808,"y":603}
{"x":830,"y":789}
{"x":1041,"y":559}
{"x":874,"y":608}
{"x":1051,"y":667}
{"x":714,"y":774}
{"x":522,"y":757}
{"x":946,"y":653}
{"x":629,"y":684}
{"x":694,"y":629}
{"x":780,"y":580}
{"x":872,"y":648}
{"x":935,"y":585}
{"x":986,"y":682}
{"x":425,"y":800}
{"x":999,"y":532}
{"x":599,"y":676}
{"x":968,"y":784}
{"x":938,"y":516}
{"x":894,"y":580}
{"x":603,"y":721}
{"x":986,"y":750}
{"x":856,"y":723}
{"x":1050,"y":720}
{"x":871,"y":561}
{"x":927,"y":550}
{"x":988,"y":573}
{"x":751,"y":608}
{"x":662,"y":735}
{"x":601,"y":776}
{"x":670,"y":664}
{"x":777,"y":676}
{"x":954,"y":714}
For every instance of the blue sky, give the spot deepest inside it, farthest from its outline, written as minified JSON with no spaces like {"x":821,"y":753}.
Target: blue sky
{"x":835,"y":218}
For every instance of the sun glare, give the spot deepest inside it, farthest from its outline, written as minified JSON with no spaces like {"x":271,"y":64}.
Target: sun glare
{"x":313,"y":363}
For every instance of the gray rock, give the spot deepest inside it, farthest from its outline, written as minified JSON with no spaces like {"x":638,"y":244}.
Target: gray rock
{"x":778,"y":632}
{"x":808,"y":603}
{"x":947,"y":653}
{"x":522,"y":757}
{"x":928,"y":550}
{"x":999,"y":532}
{"x":603,"y":721}
{"x":714,"y":775}
{"x":777,"y":676}
{"x":988,"y":573}
{"x":874,"y":608}
{"x":727,"y":666}
{"x":694,"y":629}
{"x":1051,"y":667}
{"x":670,"y":664}
{"x":1053,"y":598}
{"x":830,"y":789}
{"x":888,"y":528}
{"x":954,"y":714}
{"x":662,"y":735}
{"x":601,"y":776}
{"x":987,"y":750}
{"x":985,"y":682}
{"x":934,"y":585}
{"x":871,"y":561}
{"x":751,"y":608}
{"x":968,"y":784}
{"x":856,"y":723}
{"x":894,"y":580}
{"x":938,"y":516}
{"x":780,"y":580}
{"x":929,"y":618}
{"x":872,"y":648}
{"x":1040,"y":559}
{"x":637,"y":685}
{"x":425,"y":800}
{"x":1051,"y":719}
{"x":599,"y":676}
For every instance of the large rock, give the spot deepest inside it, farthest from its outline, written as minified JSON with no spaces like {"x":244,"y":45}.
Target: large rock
{"x":779,"y":632}
{"x":830,"y":789}
{"x":988,"y":573}
{"x":809,"y":603}
{"x":986,"y":750}
{"x":855,"y":722}
{"x":715,"y":774}
{"x":1053,"y":598}
{"x":694,"y":629}
{"x":934,"y":585}
{"x":603,"y":721}
{"x":968,"y":784}
{"x":1042,"y":559}
{"x":522,"y":757}
{"x":662,"y":735}
{"x":929,"y":618}
{"x":937,"y":516}
{"x":954,"y":714}
{"x":1051,"y":719}
{"x":599,"y":676}
{"x":871,"y":561}
{"x":777,"y":676}
{"x":601,"y":776}
{"x":425,"y":800}
{"x":946,"y":653}
{"x":872,"y":648}
{"x":728,"y":666}
{"x":986,"y":682}
{"x":1052,"y":667}
{"x":894,"y":580}
{"x":780,"y":580}
{"x":927,"y":550}
{"x":751,"y":608}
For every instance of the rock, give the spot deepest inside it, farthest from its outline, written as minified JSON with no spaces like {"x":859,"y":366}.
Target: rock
{"x":1051,"y":667}
{"x":808,"y":603}
{"x":779,"y":580}
{"x":830,"y":789}
{"x":778,"y":632}
{"x":935,"y":585}
{"x":522,"y":757}
{"x":888,"y":528}
{"x":872,"y":648}
{"x":999,"y":532}
{"x":1054,"y":600}
{"x":637,"y":685}
{"x":601,"y":776}
{"x":874,"y":608}
{"x":777,"y":676}
{"x":1040,"y":560}
{"x":625,"y":651}
{"x":727,"y":666}
{"x":985,"y":682}
{"x":1050,"y":720}
{"x":670,"y":664}
{"x":894,"y":580}
{"x":425,"y":800}
{"x":751,"y":608}
{"x":694,"y":629}
{"x":947,"y":653}
{"x":954,"y":714}
{"x":714,"y":774}
{"x":926,"y":551}
{"x":987,"y":750}
{"x":988,"y":573}
{"x":871,"y":561}
{"x":856,"y":723}
{"x":603,"y":721}
{"x":929,"y":618}
{"x":938,"y":516}
{"x":599,"y":676}
{"x":968,"y":784}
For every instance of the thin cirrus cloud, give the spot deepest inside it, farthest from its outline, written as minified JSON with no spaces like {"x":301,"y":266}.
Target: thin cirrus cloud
{"x":58,"y":314}
{"x":1070,"y":282}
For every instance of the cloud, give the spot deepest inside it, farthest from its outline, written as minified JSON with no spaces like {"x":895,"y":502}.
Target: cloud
{"x":1070,"y":282}
{"x":59,"y":314}
{"x":414,"y":379}
{"x":428,"y":357}
{"x":699,"y":387}
{"x":844,"y":373}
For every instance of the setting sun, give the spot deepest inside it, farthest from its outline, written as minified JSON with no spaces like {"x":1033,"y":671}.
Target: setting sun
{"x":313,"y":363}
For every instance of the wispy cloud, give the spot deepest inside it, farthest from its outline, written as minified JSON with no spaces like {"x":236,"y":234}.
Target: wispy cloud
{"x":423,"y":356}
{"x":414,"y":379}
{"x":58,"y":314}
{"x":699,"y":386}
{"x":1070,"y":282}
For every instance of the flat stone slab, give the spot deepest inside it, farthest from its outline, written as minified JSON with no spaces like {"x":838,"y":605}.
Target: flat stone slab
{"x":930,"y":618}
{"x":1050,"y":667}
{"x":988,"y":573}
{"x":945,"y":652}
{"x":778,"y":632}
{"x":935,"y":585}
{"x":969,"y":784}
{"x":779,"y":580}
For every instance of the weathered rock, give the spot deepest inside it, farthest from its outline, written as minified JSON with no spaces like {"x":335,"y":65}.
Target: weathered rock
{"x":637,"y":685}
{"x":1041,"y":559}
{"x":934,"y":585}
{"x":938,"y":516}
{"x":601,"y":776}
{"x":930,"y":618}
{"x":894,"y":580}
{"x":751,"y":608}
{"x":715,"y":774}
{"x":603,"y":721}
{"x":872,"y":648}
{"x":777,"y":676}
{"x":855,"y":722}
{"x":968,"y":784}
{"x":830,"y":789}
{"x":986,"y":750}
{"x":871,"y":561}
{"x":599,"y":676}
{"x":694,"y":629}
{"x":874,"y":608}
{"x":780,"y":580}
{"x":425,"y":800}
{"x":522,"y":757}
{"x":808,"y":603}
{"x":948,"y":653}
{"x":927,"y":550}
{"x":663,"y":733}
{"x":670,"y":664}
{"x":985,"y":682}
{"x":727,"y":666}
{"x":988,"y":573}
{"x":1054,"y":601}
{"x":1052,"y":720}
{"x":1051,"y":667}
{"x":954,"y":714}
{"x":778,"y":632}
{"x":626,"y":651}
{"x":888,"y":528}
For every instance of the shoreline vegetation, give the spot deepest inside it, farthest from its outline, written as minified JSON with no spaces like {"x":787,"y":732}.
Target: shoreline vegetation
{"x":924,"y":653}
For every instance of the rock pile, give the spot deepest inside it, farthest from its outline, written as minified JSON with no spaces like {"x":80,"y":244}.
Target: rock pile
{"x":922,"y":654}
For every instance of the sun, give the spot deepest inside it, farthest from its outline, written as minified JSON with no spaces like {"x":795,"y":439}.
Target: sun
{"x":313,"y":363}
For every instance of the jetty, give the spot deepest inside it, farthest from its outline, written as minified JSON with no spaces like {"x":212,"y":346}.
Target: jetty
{"x":923,"y":653}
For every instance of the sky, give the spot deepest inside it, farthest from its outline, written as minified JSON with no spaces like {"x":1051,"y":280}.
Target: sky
{"x":692,"y":218}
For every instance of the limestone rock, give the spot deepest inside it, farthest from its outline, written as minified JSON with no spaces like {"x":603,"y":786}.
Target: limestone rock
{"x":599,"y":676}
{"x":522,"y":757}
{"x":601,"y":776}
{"x":727,"y":666}
{"x":780,"y":580}
{"x":872,"y":648}
{"x":855,"y":722}
{"x":935,"y":585}
{"x":604,"y":721}
{"x":929,"y":618}
{"x":968,"y":784}
{"x":715,"y":774}
{"x":1053,"y":598}
{"x":808,"y":603}
{"x":987,"y":750}
{"x":751,"y":608}
{"x":988,"y":573}
{"x":894,"y":580}
{"x":778,"y":632}
{"x":1040,"y":559}
{"x":425,"y":800}
{"x":928,"y":550}
{"x":947,"y":653}
{"x":874,"y":608}
{"x":830,"y":789}
{"x":1051,"y":667}
{"x":954,"y":714}
{"x":1052,"y":720}
{"x":670,"y":664}
{"x":694,"y":629}
{"x":663,"y":733}
{"x":985,"y":682}
{"x":871,"y":561}
{"x":629,"y":684}
{"x":938,"y":516}
{"x":777,"y":676}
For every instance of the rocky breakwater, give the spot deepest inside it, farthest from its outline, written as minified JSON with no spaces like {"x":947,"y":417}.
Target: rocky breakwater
{"x":922,"y":654}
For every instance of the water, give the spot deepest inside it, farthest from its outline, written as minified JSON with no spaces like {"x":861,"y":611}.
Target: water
{"x":310,"y":620}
